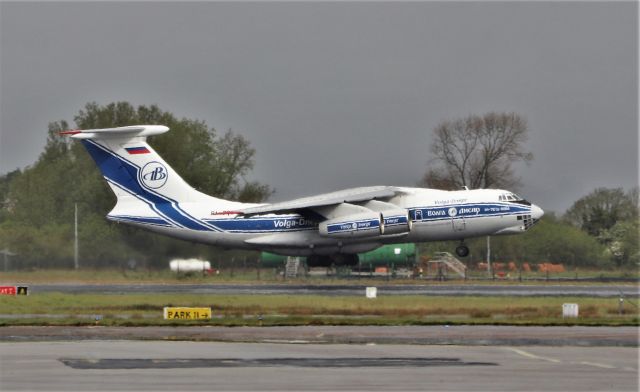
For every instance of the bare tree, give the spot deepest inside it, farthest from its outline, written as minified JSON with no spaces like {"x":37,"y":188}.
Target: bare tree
{"x":478,"y":152}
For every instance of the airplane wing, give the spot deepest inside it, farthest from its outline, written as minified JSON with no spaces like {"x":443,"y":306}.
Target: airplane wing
{"x":351,"y":195}
{"x":357,"y":212}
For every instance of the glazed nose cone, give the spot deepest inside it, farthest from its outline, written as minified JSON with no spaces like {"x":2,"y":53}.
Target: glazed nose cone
{"x":536,"y":212}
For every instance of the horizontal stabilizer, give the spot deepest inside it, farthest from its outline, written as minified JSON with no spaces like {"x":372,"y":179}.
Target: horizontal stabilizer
{"x":129,"y":131}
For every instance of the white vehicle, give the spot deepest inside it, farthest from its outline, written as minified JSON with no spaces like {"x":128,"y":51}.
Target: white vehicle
{"x":331,"y":228}
{"x":190,"y":265}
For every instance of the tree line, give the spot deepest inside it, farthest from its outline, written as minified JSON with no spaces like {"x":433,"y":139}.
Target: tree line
{"x":478,"y":151}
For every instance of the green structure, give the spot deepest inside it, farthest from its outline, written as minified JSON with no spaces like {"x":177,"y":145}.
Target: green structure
{"x":391,"y":256}
{"x":272,"y":260}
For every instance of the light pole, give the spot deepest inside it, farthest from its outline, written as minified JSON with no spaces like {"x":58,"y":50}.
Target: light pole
{"x":489,"y":256}
{"x":6,"y":253}
{"x":75,"y":242}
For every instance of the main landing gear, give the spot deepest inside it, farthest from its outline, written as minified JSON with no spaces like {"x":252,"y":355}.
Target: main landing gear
{"x":462,"y":250}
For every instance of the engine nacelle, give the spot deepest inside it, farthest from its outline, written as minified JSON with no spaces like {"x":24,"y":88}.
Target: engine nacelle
{"x":365,"y":224}
{"x":396,"y":221}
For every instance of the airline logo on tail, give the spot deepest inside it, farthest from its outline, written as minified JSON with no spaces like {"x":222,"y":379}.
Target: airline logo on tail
{"x":153,"y":175}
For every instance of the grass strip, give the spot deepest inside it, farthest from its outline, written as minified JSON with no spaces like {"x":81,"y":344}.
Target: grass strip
{"x":269,"y":276}
{"x":237,"y":310}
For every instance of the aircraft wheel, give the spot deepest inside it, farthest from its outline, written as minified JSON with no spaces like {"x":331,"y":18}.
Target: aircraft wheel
{"x":462,"y":251}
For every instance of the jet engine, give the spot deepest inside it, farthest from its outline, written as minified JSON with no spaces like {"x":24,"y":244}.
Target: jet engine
{"x":365,"y":224}
{"x":396,"y":221}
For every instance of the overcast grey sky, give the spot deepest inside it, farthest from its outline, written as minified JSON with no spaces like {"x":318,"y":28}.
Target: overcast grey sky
{"x":336,"y":95}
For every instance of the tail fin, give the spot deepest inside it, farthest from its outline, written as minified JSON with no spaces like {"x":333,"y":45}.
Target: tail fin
{"x":137,"y":174}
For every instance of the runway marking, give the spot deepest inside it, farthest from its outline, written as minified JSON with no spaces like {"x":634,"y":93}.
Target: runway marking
{"x":280,"y":341}
{"x":600,"y":365}
{"x":532,"y":356}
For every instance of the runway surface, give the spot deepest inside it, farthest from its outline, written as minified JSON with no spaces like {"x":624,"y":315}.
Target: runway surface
{"x":177,"y":366}
{"x":412,"y":334}
{"x":609,"y":290}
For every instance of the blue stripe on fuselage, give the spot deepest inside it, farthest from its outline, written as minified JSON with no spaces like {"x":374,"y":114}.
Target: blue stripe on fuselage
{"x":467,"y":211}
{"x":261,"y":225}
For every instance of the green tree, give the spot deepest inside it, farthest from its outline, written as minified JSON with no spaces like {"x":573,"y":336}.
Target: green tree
{"x":622,"y":242}
{"x":601,"y":209}
{"x":5,"y":183}
{"x":611,"y":216}
{"x":555,"y":241}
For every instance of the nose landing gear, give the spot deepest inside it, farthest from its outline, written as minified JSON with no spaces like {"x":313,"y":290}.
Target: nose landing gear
{"x":462,"y":250}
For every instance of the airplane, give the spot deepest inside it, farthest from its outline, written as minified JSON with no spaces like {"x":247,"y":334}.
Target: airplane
{"x":329,"y":229}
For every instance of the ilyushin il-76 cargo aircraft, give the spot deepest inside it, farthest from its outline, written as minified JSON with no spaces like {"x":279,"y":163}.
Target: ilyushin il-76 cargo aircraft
{"x":330,"y":229}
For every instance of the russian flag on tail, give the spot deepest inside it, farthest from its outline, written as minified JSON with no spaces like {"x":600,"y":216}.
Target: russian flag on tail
{"x":137,"y":150}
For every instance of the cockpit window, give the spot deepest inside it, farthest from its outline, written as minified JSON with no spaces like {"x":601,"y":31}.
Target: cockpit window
{"x":513,"y":197}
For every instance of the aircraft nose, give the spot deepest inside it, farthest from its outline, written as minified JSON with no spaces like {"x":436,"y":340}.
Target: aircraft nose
{"x":536,"y":212}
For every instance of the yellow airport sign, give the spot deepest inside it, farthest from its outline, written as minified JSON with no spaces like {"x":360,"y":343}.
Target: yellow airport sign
{"x":184,"y":313}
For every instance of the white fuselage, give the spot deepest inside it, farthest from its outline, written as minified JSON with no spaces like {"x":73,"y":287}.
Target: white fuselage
{"x":435,"y":216}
